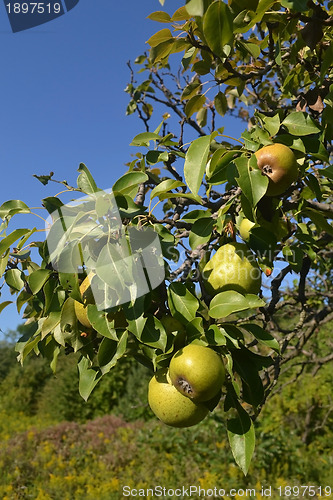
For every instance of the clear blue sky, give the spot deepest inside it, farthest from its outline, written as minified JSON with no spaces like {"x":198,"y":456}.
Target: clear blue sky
{"x":63,"y":99}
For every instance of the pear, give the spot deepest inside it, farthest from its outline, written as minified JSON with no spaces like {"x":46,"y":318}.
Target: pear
{"x":278,"y":162}
{"x":170,"y":406}
{"x":232,"y":267}
{"x":197,"y":372}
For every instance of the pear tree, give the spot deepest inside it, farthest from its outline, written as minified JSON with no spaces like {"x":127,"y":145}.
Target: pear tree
{"x":267,"y":66}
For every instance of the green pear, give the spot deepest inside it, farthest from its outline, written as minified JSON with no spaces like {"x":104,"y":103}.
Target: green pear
{"x":170,"y":406}
{"x":197,"y":372}
{"x":232,"y":267}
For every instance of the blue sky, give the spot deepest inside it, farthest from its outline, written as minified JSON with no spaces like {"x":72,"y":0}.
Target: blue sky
{"x":63,"y":99}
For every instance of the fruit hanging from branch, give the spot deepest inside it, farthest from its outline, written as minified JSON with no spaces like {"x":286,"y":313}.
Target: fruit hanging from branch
{"x":278,"y":162}
{"x":232,"y":267}
{"x":197,"y":372}
{"x":172,"y":407}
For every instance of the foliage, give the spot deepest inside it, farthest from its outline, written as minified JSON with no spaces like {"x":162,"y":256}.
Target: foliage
{"x":269,"y":64}
{"x":99,"y":458}
{"x":35,"y":391}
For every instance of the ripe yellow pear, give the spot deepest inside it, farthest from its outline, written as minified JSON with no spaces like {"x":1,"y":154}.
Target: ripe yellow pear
{"x":170,"y":406}
{"x":278,"y":162}
{"x":197,"y":372}
{"x":232,"y":267}
{"x":88,"y":298}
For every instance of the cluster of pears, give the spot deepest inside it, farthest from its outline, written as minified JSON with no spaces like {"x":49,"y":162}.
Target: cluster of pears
{"x":180,"y":395}
{"x":234,"y":267}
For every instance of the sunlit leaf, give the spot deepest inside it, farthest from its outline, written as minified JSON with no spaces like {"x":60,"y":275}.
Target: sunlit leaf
{"x":230,"y":301}
{"x":195,"y":162}
{"x":217,"y":27}
{"x":241,"y":436}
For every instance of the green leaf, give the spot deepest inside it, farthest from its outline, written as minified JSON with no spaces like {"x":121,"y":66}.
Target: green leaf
{"x":299,"y":124}
{"x":166,"y":186}
{"x":262,"y":241}
{"x":128,"y":183}
{"x":89,"y":377}
{"x":201,"y":117}
{"x":194,"y":104}
{"x":6,"y":242}
{"x":194,"y":215}
{"x":248,"y":364}
{"x":298,"y":5}
{"x":327,"y":61}
{"x":327,"y":172}
{"x":85,"y":180}
{"x":215,"y":336}
{"x":22,"y":298}
{"x":5,"y":304}
{"x":110,"y":351}
{"x":319,"y":220}
{"x":182,"y":303}
{"x":195,"y":162}
{"x":220,"y":165}
{"x":241,"y":436}
{"x":181,"y":14}
{"x":262,"y":336}
{"x":24,"y":347}
{"x":191,"y":90}
{"x":100,"y":323}
{"x":161,"y":51}
{"x":201,"y":232}
{"x":153,"y":334}
{"x":49,"y":324}
{"x":13,"y":207}
{"x":230,"y":370}
{"x":68,"y":321}
{"x":160,"y":16}
{"x":189,"y":196}
{"x":4,"y":262}
{"x":160,"y":37}
{"x":250,"y":180}
{"x":69,"y":281}
{"x":154,"y":157}
{"x":251,"y":48}
{"x":262,"y":8}
{"x":44,"y":179}
{"x":195,"y":7}
{"x":230,"y":301}
{"x":52,"y":204}
{"x":136,"y":326}
{"x":217,"y":27}
{"x":144,"y":138}
{"x":294,"y":256}
{"x":272,"y":124}
{"x":221,"y":103}
{"x":37,"y":279}
{"x":13,"y":278}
